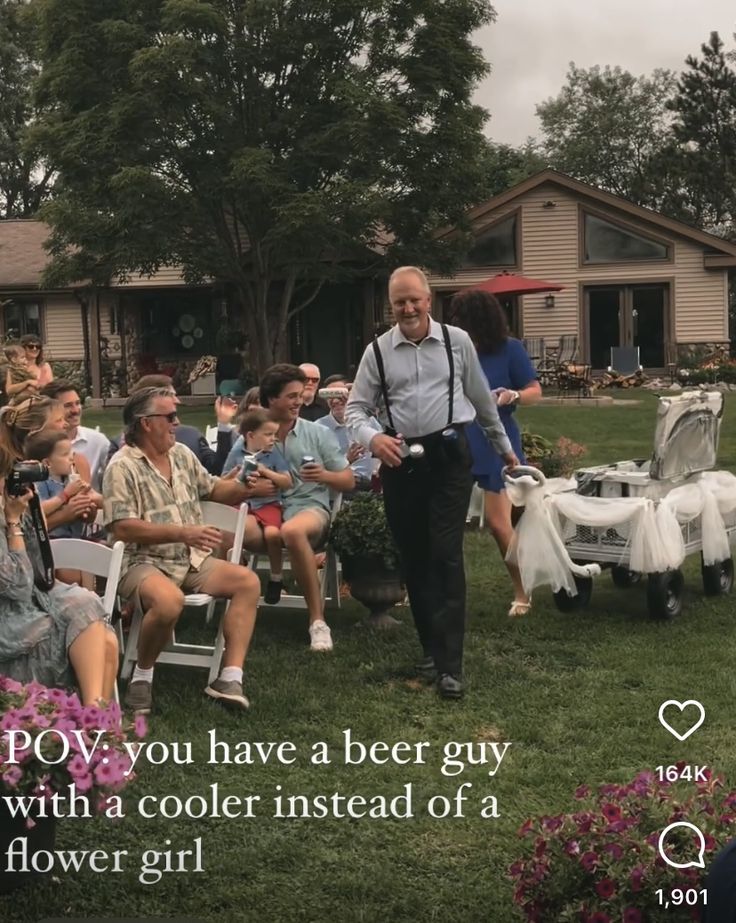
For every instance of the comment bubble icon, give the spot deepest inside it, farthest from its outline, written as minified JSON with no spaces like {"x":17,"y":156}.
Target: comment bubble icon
{"x":690,"y":863}
{"x":690,"y":704}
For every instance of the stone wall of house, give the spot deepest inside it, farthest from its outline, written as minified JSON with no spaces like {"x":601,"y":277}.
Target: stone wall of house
{"x":693,"y":354}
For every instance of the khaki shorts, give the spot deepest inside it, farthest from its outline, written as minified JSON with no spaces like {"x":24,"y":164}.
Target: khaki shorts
{"x":317,"y":540}
{"x":193,"y":580}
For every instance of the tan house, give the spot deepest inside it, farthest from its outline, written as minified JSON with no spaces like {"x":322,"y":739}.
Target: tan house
{"x":631,"y":276}
{"x":143,"y":324}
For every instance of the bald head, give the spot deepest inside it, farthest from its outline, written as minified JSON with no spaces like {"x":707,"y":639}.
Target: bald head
{"x":402,"y":271}
{"x":313,"y":375}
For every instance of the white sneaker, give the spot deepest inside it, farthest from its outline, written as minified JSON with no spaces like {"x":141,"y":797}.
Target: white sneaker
{"x":321,"y":636}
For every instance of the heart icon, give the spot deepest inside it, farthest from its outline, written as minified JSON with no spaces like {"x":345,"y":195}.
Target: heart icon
{"x":682,"y":706}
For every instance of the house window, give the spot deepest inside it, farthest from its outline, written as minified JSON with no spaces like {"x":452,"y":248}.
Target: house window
{"x":21,"y":318}
{"x":606,"y":242}
{"x":496,"y":246}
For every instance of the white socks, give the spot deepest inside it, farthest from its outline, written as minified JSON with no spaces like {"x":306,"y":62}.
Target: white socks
{"x":142,"y":676}
{"x":232,"y":675}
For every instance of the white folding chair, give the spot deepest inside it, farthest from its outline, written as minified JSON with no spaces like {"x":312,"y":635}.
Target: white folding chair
{"x":329,"y":575}
{"x":210,"y":434}
{"x":227,"y":519}
{"x":477,"y":506}
{"x":96,"y":559}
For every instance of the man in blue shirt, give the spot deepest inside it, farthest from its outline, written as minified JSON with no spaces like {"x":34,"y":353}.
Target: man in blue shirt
{"x":359,"y":458}
{"x":319,"y":466}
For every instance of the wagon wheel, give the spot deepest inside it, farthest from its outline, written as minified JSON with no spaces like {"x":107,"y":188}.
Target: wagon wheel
{"x":664,"y":594}
{"x":623,"y":577}
{"x":567,"y":603}
{"x":718,"y":577}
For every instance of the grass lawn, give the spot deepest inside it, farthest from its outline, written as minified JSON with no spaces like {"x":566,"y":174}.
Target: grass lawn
{"x":577,"y":695}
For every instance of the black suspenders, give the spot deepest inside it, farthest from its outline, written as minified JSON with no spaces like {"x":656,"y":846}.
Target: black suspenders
{"x":451,"y":380}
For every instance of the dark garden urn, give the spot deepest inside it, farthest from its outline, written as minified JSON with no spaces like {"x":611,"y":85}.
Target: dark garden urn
{"x":375,"y":586}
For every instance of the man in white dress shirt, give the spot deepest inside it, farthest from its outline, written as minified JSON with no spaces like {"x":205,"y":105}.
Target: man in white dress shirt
{"x":427,"y":382}
{"x":88,"y":442}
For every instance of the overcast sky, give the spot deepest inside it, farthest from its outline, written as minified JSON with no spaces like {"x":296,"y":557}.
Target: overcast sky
{"x":533,"y":41}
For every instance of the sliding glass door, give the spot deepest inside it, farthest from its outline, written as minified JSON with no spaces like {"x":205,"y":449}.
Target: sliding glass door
{"x":627,"y":315}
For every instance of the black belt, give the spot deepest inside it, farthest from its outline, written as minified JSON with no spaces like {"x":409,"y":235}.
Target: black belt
{"x":432,"y":439}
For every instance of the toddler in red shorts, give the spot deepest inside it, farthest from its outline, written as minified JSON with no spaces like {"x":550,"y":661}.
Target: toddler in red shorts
{"x":259,"y":435}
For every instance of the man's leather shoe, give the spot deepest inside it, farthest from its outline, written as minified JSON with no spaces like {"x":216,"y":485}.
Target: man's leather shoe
{"x":426,"y":669}
{"x":450,"y":687}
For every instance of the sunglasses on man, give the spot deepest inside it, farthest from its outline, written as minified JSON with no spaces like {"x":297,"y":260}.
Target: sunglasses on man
{"x":170,"y":417}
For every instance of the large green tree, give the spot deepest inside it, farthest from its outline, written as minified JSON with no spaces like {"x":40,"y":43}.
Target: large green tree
{"x":25,"y":180}
{"x":704,"y":139}
{"x":611,"y":129}
{"x":269,"y":144}
{"x":505,"y":165}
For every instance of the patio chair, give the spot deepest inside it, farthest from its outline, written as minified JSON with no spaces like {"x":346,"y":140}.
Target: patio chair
{"x":624,"y":360}
{"x":575,"y":377}
{"x":227,"y":519}
{"x":534,"y":347}
{"x":671,"y":360}
{"x":96,"y":559}
{"x":542,"y":359}
{"x":567,"y":350}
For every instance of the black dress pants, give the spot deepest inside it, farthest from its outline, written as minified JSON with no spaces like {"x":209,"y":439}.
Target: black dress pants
{"x":426,"y":507}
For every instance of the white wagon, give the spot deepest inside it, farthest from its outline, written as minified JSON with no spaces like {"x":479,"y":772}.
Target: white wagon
{"x":640,"y":517}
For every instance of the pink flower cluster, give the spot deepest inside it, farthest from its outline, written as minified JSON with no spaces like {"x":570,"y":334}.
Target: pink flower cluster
{"x":600,"y":863}
{"x":89,"y":738}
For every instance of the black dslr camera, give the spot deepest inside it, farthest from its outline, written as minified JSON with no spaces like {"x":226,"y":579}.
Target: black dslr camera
{"x":23,"y":474}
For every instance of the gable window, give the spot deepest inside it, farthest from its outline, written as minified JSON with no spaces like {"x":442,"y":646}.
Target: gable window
{"x":606,"y":242}
{"x":21,"y":318}
{"x":496,"y":246}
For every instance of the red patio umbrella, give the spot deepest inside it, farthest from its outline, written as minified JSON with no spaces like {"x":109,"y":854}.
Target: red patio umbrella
{"x":508,"y":283}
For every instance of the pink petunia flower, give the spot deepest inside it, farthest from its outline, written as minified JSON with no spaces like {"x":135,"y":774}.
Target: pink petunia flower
{"x":606,"y":888}
{"x":589,"y":861}
{"x":636,"y":878}
{"x":611,"y":812}
{"x":614,"y":850}
{"x":83,"y":783}
{"x":77,"y":766}
{"x":632,"y":915}
{"x":12,"y":776}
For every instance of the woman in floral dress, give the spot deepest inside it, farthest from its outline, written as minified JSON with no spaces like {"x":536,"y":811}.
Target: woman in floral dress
{"x":58,"y":637}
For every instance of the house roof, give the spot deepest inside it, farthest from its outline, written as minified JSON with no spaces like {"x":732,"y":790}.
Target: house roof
{"x":22,"y":256}
{"x":725,"y":252}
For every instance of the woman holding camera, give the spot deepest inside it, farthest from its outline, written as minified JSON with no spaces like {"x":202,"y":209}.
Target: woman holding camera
{"x":53,"y":636}
{"x":512,"y":379}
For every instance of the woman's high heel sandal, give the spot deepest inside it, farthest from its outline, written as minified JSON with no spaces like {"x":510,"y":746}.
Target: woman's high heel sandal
{"x":519,"y":609}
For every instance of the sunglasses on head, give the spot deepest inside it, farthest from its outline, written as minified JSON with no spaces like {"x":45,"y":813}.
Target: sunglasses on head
{"x":171,"y":417}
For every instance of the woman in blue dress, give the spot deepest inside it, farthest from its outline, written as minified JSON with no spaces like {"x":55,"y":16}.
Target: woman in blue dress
{"x":512,"y":378}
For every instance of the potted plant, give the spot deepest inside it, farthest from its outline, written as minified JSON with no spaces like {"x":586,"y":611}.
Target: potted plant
{"x":554,"y":459}
{"x":370,"y":560}
{"x":50,"y":742}
{"x":601,"y":863}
